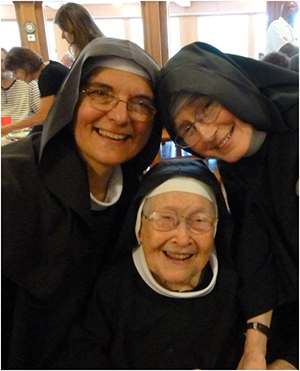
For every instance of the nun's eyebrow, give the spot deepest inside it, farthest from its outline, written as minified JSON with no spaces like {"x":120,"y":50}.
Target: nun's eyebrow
{"x":108,"y":88}
{"x":98,"y":85}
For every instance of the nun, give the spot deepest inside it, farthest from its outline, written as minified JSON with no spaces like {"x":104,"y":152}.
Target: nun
{"x":65,"y":193}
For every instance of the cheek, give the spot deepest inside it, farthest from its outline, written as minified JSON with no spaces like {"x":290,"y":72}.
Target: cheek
{"x":152,"y":240}
{"x":205,"y":245}
{"x":69,"y":37}
{"x":86,"y":114}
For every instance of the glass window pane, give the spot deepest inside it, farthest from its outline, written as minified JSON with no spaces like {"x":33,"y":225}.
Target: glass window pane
{"x":137,"y":31}
{"x":51,"y":40}
{"x":242,"y":23}
{"x":174,"y":39}
{"x":229,"y":40}
{"x":111,"y":27}
{"x":11,"y":29}
{"x":260,"y":28}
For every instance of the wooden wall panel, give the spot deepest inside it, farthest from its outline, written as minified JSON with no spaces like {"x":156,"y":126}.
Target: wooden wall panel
{"x":155,"y":21}
{"x":32,"y":11}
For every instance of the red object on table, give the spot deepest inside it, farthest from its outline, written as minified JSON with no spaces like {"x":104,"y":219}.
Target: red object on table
{"x":6,"y":120}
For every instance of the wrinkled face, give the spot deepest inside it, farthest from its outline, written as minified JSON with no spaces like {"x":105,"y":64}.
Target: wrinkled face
{"x":177,"y":257}
{"x":112,"y":138}
{"x":226,"y":138}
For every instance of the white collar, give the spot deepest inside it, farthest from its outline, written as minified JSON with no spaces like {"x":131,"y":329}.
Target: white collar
{"x":114,"y":191}
{"x":142,"y":267}
{"x":284,"y":22}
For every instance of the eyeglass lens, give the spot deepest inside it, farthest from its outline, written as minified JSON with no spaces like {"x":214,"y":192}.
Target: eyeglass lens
{"x":206,"y":112}
{"x":166,"y":221}
{"x":137,"y":109}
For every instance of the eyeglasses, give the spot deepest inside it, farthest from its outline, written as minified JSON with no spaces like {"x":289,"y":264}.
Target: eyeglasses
{"x":105,"y":101}
{"x":197,"y":223}
{"x":206,"y":112}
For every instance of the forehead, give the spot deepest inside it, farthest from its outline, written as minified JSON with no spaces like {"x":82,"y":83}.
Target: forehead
{"x":176,"y":200}
{"x":115,"y":78}
{"x":293,"y":5}
{"x":189,"y":105}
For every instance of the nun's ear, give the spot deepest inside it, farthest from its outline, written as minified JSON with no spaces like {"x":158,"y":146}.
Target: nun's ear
{"x":140,"y":234}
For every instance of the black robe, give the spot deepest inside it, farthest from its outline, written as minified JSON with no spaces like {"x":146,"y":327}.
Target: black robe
{"x":130,"y":326}
{"x":261,"y":188}
{"x":53,"y":245}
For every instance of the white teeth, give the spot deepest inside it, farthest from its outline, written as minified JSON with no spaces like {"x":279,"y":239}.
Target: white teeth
{"x":225,"y":140}
{"x":177,"y":256}
{"x":108,"y":134}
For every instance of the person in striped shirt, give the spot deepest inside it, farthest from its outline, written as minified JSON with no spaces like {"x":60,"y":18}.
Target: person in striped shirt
{"x":28,"y":66}
{"x":19,"y":100}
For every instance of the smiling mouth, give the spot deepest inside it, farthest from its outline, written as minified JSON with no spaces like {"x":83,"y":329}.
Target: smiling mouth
{"x":224,"y":142}
{"x":177,"y":256}
{"x":110,"y":135}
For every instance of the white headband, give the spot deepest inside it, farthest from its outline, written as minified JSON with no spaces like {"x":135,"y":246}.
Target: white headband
{"x":119,"y":63}
{"x":179,"y":103}
{"x":181,"y":184}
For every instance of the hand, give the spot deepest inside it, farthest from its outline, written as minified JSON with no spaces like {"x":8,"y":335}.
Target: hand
{"x":6,"y":129}
{"x":281,"y":364}
{"x":252,"y":361}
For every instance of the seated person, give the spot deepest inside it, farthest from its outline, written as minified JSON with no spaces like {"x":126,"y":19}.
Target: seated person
{"x":245,"y":113}
{"x":28,"y":66}
{"x":171,"y":303}
{"x":279,"y":59}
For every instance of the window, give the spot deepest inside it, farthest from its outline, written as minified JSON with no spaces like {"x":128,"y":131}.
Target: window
{"x":10,"y":28}
{"x":237,"y":27}
{"x":115,"y":19}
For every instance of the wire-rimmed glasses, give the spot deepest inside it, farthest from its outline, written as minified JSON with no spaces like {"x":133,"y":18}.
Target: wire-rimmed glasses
{"x":207,"y":111}
{"x":198,"y":223}
{"x":105,"y":101}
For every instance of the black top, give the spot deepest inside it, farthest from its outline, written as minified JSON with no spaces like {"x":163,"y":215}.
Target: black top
{"x":51,"y":78}
{"x":262,"y":188}
{"x":53,"y":244}
{"x":130,"y":326}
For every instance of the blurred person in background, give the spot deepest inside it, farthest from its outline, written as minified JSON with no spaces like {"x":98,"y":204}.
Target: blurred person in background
{"x":19,"y":100}
{"x":67,"y":59}
{"x":26,"y":65}
{"x":281,"y":36}
{"x":279,"y":59}
{"x":77,"y":26}
{"x":295,"y":62}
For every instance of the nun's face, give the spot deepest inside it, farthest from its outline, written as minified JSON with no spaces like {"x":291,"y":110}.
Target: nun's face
{"x":224,"y":137}
{"x":177,"y":257}
{"x":111,"y":138}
